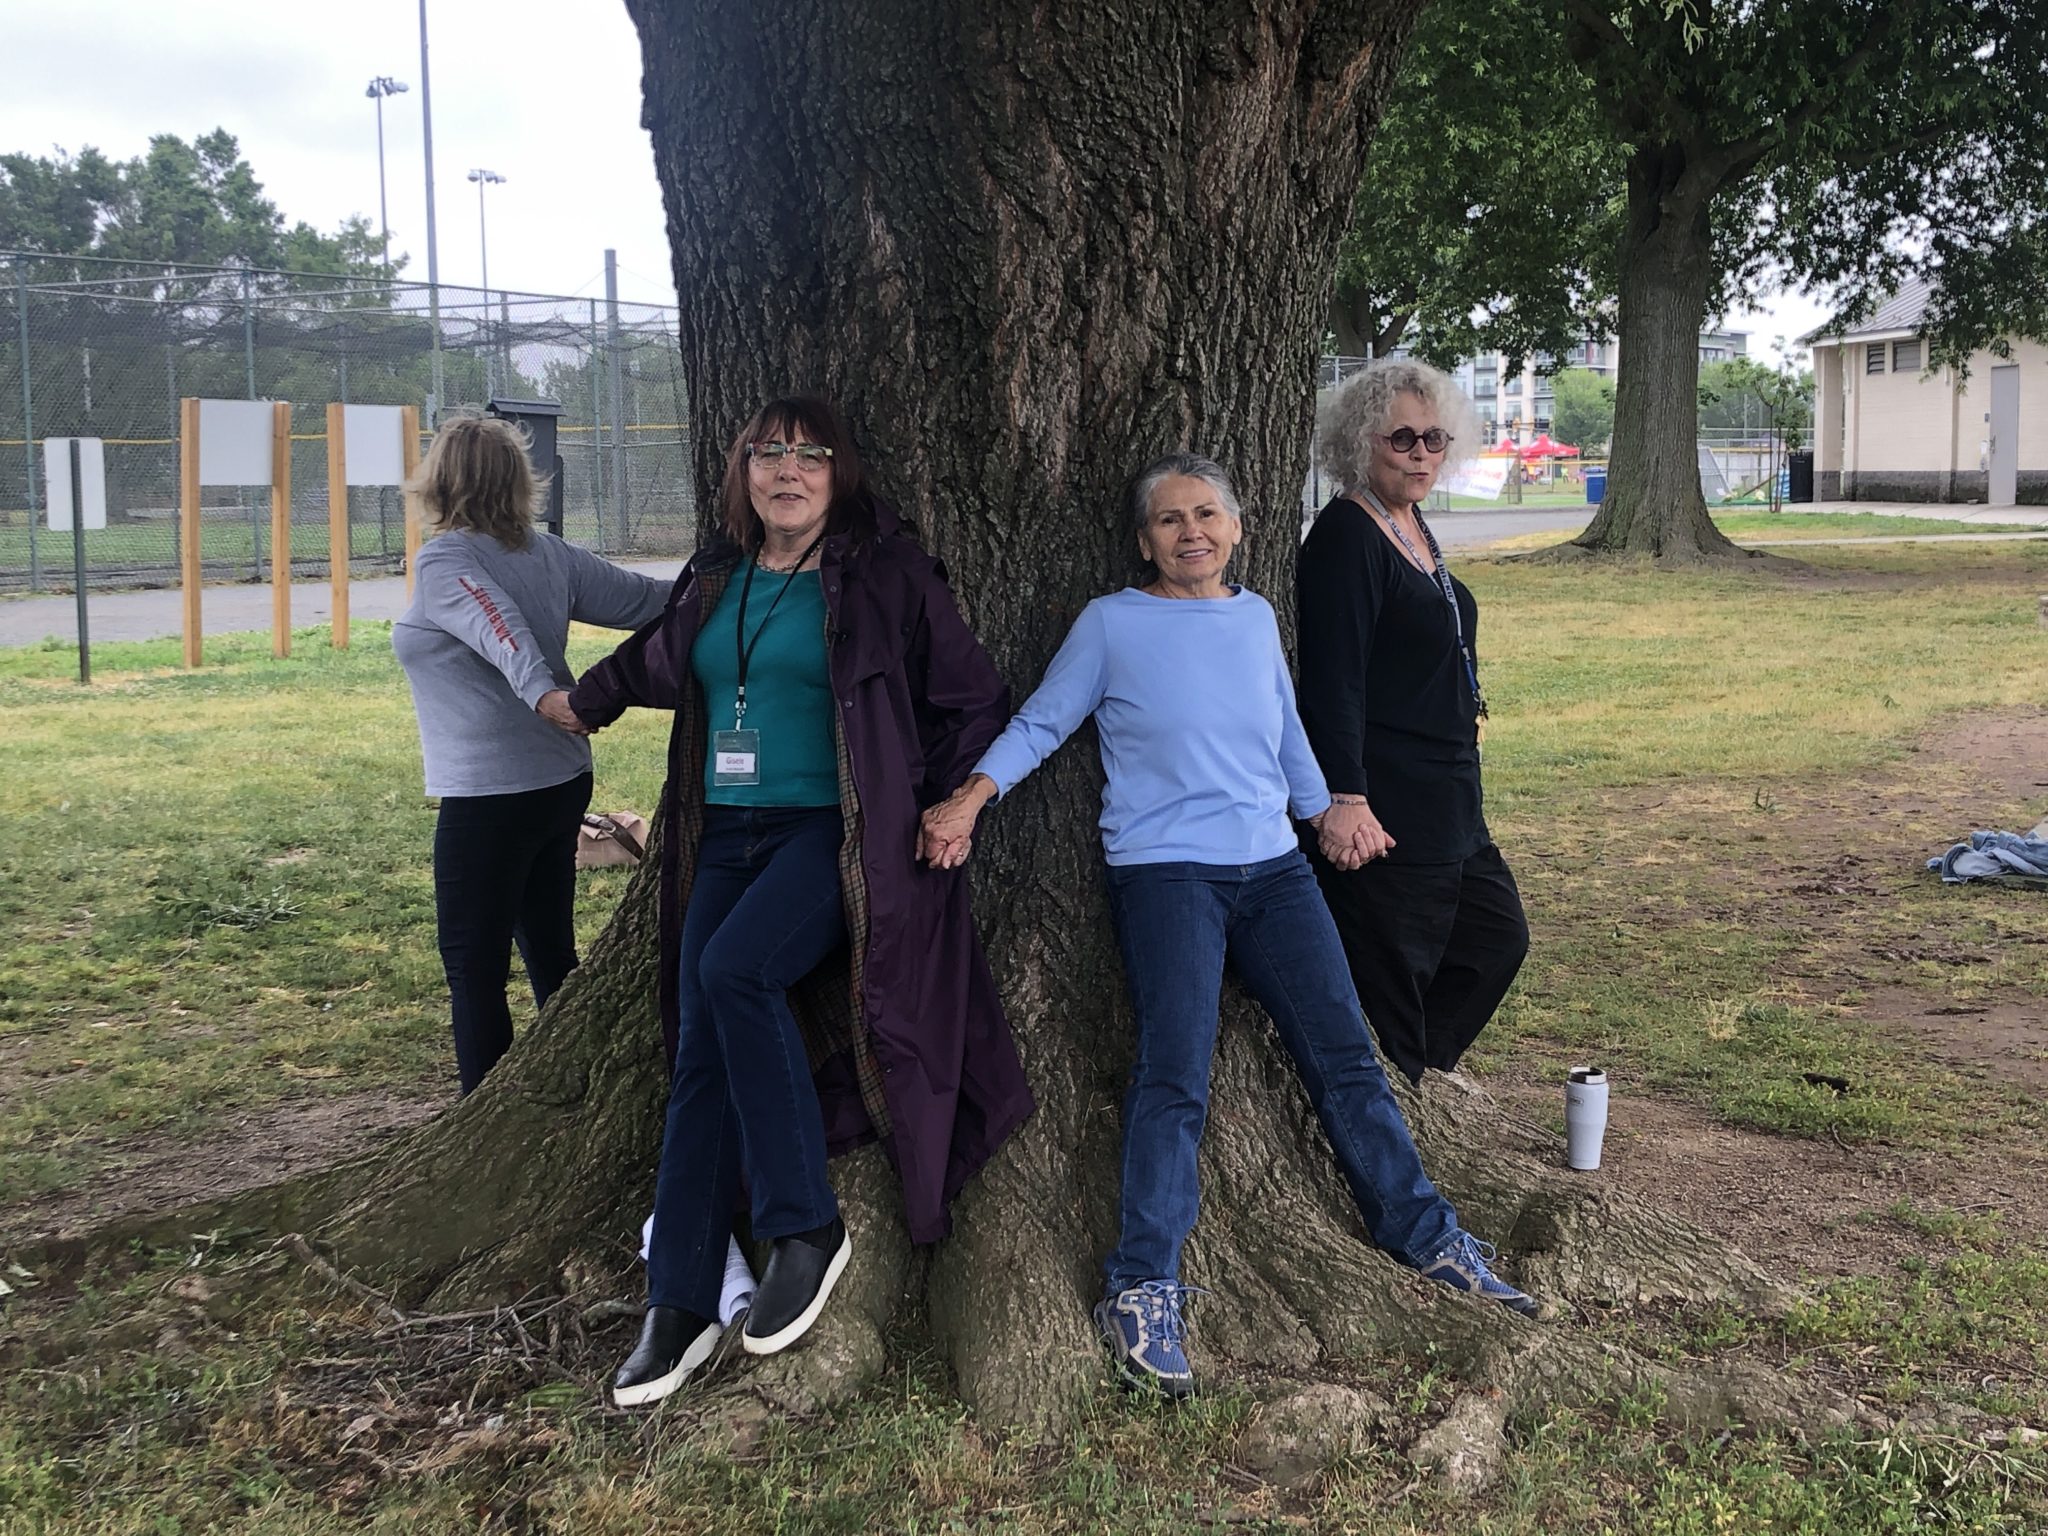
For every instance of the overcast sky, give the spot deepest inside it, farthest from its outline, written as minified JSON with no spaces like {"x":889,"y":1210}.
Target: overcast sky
{"x":546,"y":95}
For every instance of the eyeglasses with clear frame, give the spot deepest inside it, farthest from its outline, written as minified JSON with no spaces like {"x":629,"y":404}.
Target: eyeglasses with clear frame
{"x":807,"y":455}
{"x":1404,"y":439}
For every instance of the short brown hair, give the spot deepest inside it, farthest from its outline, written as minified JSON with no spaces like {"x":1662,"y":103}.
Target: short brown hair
{"x":853,"y":505}
{"x":477,"y":476}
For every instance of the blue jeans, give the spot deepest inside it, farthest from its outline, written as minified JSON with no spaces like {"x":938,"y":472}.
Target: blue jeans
{"x":764,"y":911}
{"x":1177,"y":924}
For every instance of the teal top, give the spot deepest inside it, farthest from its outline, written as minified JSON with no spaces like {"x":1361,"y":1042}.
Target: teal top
{"x":789,"y":692}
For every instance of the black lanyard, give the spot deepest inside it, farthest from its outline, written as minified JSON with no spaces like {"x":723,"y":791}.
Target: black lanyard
{"x":1443,"y":581}
{"x":741,"y":643}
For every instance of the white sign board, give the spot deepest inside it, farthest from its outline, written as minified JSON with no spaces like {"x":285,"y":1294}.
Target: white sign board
{"x":234,"y":442}
{"x":1484,"y":478}
{"x":92,"y":479}
{"x":373,"y":442}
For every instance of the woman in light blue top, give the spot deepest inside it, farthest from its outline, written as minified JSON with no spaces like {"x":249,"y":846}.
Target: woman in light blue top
{"x":1204,"y":867}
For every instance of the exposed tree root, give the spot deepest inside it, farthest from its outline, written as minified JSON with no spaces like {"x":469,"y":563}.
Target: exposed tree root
{"x":1293,"y":1288}
{"x":1678,"y":558}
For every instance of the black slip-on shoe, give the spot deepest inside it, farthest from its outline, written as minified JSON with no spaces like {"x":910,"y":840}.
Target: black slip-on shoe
{"x":794,"y":1289}
{"x":673,"y":1344}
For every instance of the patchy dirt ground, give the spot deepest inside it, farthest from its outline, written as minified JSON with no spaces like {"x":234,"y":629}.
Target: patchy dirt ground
{"x":1840,"y":856}
{"x":1952,"y":974}
{"x":163,"y":1172}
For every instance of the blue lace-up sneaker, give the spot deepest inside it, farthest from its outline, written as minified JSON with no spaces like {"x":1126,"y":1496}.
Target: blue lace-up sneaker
{"x":1146,"y":1333}
{"x":1465,"y":1264}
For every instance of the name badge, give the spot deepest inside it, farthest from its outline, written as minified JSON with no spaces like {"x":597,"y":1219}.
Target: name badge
{"x":735,"y":758}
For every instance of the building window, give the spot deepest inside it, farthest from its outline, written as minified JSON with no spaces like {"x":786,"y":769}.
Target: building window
{"x":1873,"y":358}
{"x":1906,"y":356}
{"x":1513,"y":385}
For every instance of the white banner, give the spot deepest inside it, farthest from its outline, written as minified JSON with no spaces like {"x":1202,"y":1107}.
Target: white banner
{"x":234,"y":442}
{"x":1484,"y":478}
{"x":373,"y":442}
{"x":92,"y":479}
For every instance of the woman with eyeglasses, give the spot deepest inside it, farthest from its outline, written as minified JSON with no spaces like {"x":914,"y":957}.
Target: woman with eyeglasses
{"x":1390,"y":697}
{"x":819,"y":988}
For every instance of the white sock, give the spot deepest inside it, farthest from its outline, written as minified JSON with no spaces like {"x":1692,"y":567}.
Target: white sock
{"x":737,"y":1288}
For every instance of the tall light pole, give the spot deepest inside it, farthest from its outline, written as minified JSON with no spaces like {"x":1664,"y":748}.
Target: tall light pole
{"x":379,"y":88}
{"x":484,"y":178}
{"x":434,"y":406}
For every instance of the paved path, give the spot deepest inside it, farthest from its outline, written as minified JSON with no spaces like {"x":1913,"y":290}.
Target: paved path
{"x":224,"y":610}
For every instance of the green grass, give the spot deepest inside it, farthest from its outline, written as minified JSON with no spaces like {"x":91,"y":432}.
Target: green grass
{"x":224,"y":539}
{"x":222,"y":900}
{"x":1752,"y":527}
{"x":222,"y":894}
{"x":280,"y":1431}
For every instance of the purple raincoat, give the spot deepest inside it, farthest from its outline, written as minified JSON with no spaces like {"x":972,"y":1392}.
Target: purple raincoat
{"x":906,"y":1036}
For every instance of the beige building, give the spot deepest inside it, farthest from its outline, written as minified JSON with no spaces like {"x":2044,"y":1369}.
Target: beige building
{"x":1886,"y":429}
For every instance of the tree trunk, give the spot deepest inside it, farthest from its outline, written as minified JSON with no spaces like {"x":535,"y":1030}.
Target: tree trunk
{"x":1026,"y":254}
{"x":1653,"y":504}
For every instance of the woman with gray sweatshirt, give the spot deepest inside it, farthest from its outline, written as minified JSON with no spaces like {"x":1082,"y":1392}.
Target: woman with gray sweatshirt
{"x":483,"y":649}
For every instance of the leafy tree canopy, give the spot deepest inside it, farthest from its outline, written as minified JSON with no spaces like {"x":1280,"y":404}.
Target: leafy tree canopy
{"x":1582,"y":413}
{"x":1742,"y":394}
{"x":196,"y":203}
{"x":1485,"y":219}
{"x":1843,"y":144}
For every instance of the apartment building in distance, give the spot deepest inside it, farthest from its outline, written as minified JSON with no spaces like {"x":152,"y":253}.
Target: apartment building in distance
{"x":1519,"y":404}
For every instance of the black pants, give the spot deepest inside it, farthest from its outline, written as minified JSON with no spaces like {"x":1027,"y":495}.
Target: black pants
{"x":1433,"y":949}
{"x":504,"y":872}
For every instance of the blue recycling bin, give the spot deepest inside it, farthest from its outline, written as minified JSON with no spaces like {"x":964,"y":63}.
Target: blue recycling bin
{"x":1596,"y":486}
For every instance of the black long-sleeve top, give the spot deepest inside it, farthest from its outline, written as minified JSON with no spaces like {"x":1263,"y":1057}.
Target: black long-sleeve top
{"x":1384,"y":696}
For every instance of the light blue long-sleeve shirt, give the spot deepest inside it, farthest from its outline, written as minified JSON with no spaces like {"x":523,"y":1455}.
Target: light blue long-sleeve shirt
{"x":1203,"y":749}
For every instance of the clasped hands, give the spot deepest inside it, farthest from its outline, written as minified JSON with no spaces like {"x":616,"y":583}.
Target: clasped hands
{"x":554,"y":708}
{"x":1349,"y":834}
{"x":945,"y":833}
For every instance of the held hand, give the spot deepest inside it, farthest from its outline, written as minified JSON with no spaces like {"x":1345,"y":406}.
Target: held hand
{"x":945,"y":835}
{"x":1350,"y":835}
{"x":554,"y":708}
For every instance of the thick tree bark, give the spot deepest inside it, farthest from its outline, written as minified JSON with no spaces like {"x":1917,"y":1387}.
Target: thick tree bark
{"x":1028,"y":250}
{"x":1653,"y":504}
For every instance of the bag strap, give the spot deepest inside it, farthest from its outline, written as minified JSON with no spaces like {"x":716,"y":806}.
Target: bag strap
{"x":606,"y":827}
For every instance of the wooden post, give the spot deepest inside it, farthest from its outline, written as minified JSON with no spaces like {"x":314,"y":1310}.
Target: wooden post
{"x":409,"y":457}
{"x":280,"y":528}
{"x":337,"y":521}
{"x":188,"y":522}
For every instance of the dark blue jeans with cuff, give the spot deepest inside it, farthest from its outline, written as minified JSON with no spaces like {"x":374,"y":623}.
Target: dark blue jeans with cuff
{"x":764,"y":911}
{"x":1178,"y":924}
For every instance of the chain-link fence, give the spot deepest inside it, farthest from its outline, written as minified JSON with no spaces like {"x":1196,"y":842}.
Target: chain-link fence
{"x":100,"y":349}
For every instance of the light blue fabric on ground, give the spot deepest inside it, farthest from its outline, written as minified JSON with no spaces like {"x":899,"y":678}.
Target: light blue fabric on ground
{"x":1993,"y":855}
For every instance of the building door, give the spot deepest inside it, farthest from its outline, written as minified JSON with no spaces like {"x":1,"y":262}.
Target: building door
{"x":2003,"y":458}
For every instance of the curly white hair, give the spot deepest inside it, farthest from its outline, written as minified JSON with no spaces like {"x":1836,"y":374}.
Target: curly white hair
{"x":1349,"y":415}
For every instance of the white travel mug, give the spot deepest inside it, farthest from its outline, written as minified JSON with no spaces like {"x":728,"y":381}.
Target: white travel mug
{"x":1585,"y":1117}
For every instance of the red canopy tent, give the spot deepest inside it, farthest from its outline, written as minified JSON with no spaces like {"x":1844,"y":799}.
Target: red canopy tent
{"x":1545,"y":448}
{"x":1505,"y":445}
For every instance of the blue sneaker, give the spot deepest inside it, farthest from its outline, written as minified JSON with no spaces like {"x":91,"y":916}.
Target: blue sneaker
{"x":1464,"y":1264}
{"x":1147,"y":1335}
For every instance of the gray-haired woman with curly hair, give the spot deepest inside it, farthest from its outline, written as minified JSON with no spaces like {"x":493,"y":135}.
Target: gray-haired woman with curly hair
{"x":1431,"y":921}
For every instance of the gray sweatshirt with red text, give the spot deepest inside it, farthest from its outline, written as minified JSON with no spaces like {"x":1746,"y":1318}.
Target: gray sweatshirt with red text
{"x":485,"y":638}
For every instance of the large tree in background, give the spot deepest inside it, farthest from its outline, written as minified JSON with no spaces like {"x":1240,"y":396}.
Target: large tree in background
{"x":1485,"y":219}
{"x":1840,"y":143}
{"x":1027,"y":256}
